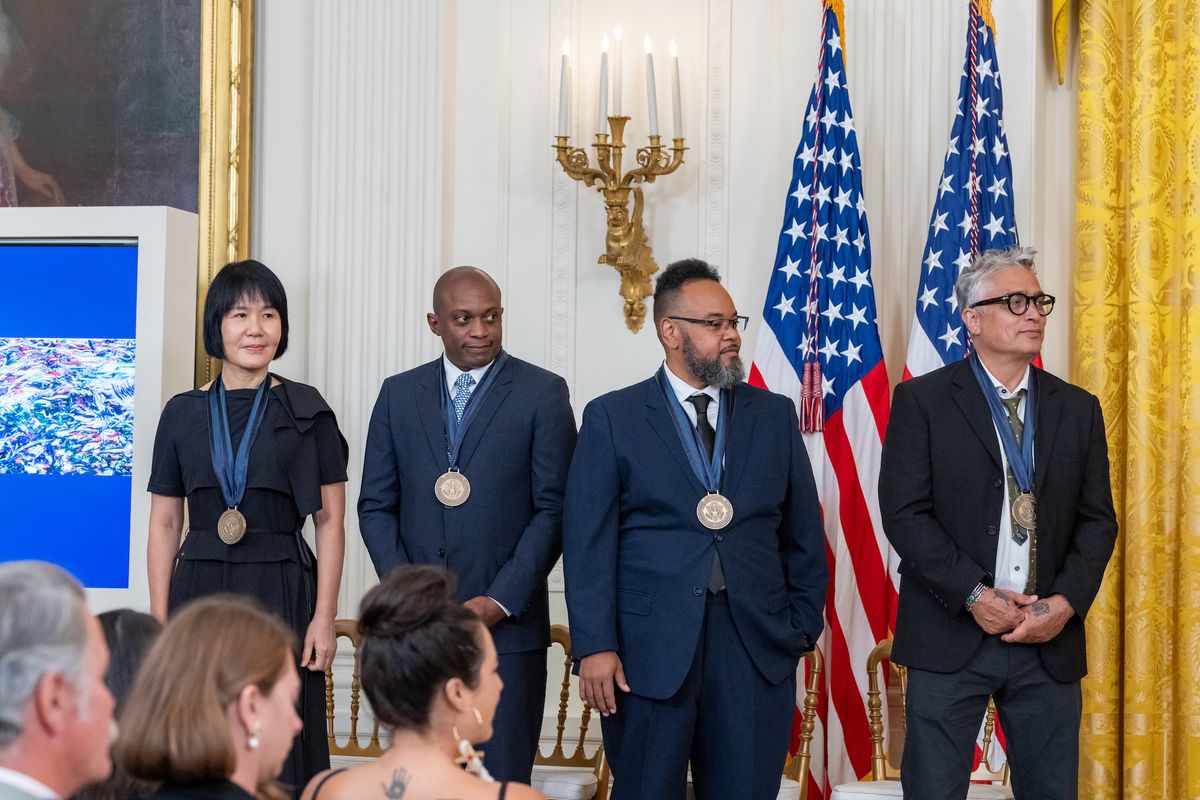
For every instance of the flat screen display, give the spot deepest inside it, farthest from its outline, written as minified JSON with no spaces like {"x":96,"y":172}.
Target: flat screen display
{"x":67,"y":347}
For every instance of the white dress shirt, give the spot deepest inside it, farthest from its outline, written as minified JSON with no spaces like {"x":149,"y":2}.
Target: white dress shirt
{"x":452,"y":373}
{"x":1012,"y":559}
{"x":683,"y":390}
{"x":26,"y":784}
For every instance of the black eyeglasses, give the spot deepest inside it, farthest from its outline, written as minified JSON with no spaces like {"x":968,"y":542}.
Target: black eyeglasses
{"x":716,"y":325}
{"x":1018,"y":302}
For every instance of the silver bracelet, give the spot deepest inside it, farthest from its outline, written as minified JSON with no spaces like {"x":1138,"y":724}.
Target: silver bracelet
{"x":975,"y":595}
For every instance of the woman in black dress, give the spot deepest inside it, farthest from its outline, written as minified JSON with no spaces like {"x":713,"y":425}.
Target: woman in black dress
{"x":245,"y":518}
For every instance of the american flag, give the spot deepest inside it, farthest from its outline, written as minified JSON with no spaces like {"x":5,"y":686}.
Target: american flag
{"x":974,"y":206}
{"x":821,"y":326}
{"x":973,"y":212}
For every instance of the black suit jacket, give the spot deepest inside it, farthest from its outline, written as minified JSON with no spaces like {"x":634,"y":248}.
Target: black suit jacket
{"x":505,"y":539}
{"x":941,"y":488}
{"x":637,"y":560}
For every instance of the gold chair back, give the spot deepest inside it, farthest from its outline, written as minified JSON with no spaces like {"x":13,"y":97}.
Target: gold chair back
{"x":348,"y":629}
{"x":561,"y":636}
{"x":881,"y":766}
{"x":798,"y":766}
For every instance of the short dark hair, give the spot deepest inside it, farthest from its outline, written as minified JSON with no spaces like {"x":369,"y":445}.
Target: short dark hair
{"x":129,"y":635}
{"x":415,"y":636}
{"x":671,"y":282}
{"x":236,"y":280}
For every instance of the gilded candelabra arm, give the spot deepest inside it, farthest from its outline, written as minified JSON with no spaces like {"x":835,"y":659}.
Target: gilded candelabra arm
{"x":574,"y":162}
{"x":655,"y":160}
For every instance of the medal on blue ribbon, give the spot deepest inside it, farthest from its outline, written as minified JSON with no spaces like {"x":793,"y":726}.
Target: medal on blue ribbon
{"x":1019,"y":455}
{"x":714,"y":509}
{"x":452,"y":487}
{"x":232,"y":467}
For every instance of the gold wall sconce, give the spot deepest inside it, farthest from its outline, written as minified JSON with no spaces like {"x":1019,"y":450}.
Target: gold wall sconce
{"x":626,"y":245}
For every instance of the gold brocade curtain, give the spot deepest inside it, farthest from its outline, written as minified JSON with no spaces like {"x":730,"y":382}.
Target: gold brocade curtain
{"x":1137,"y":319}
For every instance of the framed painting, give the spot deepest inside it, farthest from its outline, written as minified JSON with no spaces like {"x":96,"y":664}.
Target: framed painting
{"x":132,"y":103}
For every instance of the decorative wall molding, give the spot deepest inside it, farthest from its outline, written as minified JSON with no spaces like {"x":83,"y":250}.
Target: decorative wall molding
{"x":713,"y":182}
{"x":375,"y":219}
{"x":564,"y":205}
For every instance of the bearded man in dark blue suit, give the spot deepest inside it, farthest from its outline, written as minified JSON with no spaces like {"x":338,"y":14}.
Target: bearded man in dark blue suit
{"x":466,"y":460}
{"x":695,"y":560}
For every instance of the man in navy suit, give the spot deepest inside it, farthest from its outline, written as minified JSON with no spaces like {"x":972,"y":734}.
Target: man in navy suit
{"x":466,"y":460}
{"x":695,"y":560}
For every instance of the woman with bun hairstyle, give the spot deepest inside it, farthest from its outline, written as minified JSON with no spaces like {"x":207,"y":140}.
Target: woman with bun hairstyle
{"x":253,"y":455}
{"x":429,"y":669}
{"x":212,"y":712}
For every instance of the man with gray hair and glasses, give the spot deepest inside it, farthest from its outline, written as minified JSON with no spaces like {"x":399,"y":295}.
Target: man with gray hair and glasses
{"x":56,"y":715}
{"x":994,"y":489}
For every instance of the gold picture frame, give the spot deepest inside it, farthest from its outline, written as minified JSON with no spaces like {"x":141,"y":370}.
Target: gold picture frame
{"x":226,"y":83}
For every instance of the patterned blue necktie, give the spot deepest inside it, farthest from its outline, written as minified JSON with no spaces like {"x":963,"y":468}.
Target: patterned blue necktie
{"x":462,"y":393}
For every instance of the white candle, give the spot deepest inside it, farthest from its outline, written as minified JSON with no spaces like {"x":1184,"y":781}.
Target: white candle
{"x":564,"y":91}
{"x":616,"y":90}
{"x":651,"y":92}
{"x":676,"y":102}
{"x":602,"y":113}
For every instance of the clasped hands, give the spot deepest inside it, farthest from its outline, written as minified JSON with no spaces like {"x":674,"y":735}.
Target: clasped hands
{"x":1022,"y":618}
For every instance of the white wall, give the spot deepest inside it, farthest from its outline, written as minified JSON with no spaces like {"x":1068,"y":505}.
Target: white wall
{"x":397,"y":139}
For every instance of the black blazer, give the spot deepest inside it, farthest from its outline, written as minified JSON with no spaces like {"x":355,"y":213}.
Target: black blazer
{"x":637,"y":559}
{"x":505,"y":539}
{"x":941,"y":487}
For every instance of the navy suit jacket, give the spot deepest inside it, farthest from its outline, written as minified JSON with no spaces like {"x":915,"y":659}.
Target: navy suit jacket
{"x":505,"y":539}
{"x":637,"y":560}
{"x":941,"y":489}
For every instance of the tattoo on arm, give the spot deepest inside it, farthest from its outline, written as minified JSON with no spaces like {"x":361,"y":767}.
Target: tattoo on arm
{"x":398,"y":786}
{"x":1041,"y":608}
{"x":1001,"y":597}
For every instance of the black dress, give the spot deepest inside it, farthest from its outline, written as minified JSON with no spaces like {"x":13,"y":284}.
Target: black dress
{"x":298,"y":450}
{"x":204,"y":790}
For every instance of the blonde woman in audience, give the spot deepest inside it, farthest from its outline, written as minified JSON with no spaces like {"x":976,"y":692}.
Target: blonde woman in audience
{"x":212,"y":713}
{"x":429,"y":669}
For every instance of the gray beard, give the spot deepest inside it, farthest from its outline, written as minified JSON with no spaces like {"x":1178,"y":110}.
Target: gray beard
{"x":712,"y":372}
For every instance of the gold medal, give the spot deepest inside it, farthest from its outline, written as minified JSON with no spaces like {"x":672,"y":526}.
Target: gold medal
{"x":452,"y":489}
{"x":231,"y":526}
{"x":714,"y":511}
{"x":1024,"y":511}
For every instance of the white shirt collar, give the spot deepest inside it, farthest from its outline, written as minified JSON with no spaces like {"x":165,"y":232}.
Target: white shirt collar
{"x":452,"y":373}
{"x":683,"y":390}
{"x":1001,"y":388}
{"x":19,"y":780}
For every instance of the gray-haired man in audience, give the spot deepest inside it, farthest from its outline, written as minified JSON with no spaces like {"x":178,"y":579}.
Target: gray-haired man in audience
{"x":55,"y":711}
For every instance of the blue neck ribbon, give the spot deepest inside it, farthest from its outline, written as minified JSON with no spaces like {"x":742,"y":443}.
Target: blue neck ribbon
{"x":232,"y":468}
{"x":707,"y":471}
{"x":1020,"y":456}
{"x":456,"y":430}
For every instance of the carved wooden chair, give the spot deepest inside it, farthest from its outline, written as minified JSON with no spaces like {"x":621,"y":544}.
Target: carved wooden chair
{"x":885,"y":778}
{"x":577,"y":776}
{"x":353,"y":748}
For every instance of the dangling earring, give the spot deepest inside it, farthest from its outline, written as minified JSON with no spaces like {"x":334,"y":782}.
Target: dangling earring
{"x":255,"y":730}
{"x":469,"y":757}
{"x":478,"y":716}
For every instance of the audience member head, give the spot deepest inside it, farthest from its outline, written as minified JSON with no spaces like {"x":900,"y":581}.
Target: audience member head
{"x":55,"y":711}
{"x":698,"y":325}
{"x":428,"y":664}
{"x":468,"y":317}
{"x":129,"y":635}
{"x":214,"y":699}
{"x":242,"y":293}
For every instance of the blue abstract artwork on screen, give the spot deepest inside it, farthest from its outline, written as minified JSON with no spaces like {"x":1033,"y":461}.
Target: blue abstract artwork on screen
{"x":68,"y":315}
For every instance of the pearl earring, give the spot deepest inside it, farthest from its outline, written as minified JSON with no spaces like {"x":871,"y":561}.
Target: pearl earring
{"x":471,"y":758}
{"x":253,"y":740}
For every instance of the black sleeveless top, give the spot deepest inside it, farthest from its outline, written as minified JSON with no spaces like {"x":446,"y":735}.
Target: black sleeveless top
{"x":317,"y":791}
